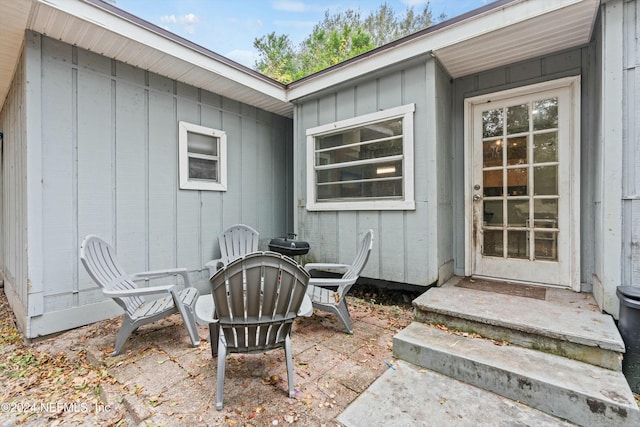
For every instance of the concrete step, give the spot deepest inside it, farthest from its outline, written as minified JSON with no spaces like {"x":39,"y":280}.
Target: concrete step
{"x":411,"y":396}
{"x":565,"y":323}
{"x":571,"y":390}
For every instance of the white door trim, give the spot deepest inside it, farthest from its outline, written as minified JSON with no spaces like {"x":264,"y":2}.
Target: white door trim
{"x":573,"y":83}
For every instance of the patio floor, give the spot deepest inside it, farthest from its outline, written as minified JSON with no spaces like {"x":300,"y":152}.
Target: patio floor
{"x":159,"y":379}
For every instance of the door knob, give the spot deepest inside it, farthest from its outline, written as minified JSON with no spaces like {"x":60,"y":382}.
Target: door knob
{"x":476,"y":197}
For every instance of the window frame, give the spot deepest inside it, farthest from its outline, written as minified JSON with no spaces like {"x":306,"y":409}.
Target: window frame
{"x":405,"y":112}
{"x":187,"y":183}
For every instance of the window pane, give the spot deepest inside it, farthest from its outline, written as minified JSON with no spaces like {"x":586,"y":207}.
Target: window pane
{"x":518,"y":119}
{"x":492,"y":243}
{"x":517,"y":244}
{"x":545,"y":147}
{"x":545,"y":114}
{"x":492,"y":183}
{"x":545,"y":180}
{"x":361,"y":172}
{"x":362,"y":189}
{"x":546,"y":245}
{"x":380,"y":130}
{"x":202,"y":144}
{"x":492,"y":212}
{"x":369,"y":180}
{"x":492,"y":123}
{"x":373,"y":150}
{"x":517,"y":151}
{"x":492,"y":153}
{"x":517,"y":183}
{"x":203,"y":169}
{"x":518,"y":213}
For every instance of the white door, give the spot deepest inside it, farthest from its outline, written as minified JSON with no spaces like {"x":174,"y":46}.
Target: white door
{"x":522,"y":197}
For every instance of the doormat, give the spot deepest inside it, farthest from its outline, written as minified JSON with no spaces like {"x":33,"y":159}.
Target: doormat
{"x":535,"y":292}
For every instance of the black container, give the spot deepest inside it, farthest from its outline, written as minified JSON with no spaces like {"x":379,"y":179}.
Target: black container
{"x":629,"y":326}
{"x":289,"y":246}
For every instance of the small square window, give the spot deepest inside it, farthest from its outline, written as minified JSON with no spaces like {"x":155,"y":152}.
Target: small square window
{"x":203,"y":161}
{"x":363,"y":163}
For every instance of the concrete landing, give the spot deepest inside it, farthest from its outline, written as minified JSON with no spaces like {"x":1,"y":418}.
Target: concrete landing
{"x":565,"y":322}
{"x":413,"y":396}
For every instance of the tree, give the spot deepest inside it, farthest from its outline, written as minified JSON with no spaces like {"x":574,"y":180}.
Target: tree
{"x":336,"y":38}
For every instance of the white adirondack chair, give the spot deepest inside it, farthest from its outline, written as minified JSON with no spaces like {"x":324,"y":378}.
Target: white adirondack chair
{"x":321,"y":290}
{"x":100,"y":261}
{"x":257,"y":297}
{"x":235,"y":242}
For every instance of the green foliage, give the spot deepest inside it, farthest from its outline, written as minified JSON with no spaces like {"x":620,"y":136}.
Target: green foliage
{"x":335,"y":39}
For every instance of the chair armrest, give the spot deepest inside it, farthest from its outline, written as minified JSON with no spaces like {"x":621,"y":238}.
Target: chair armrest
{"x":138,"y":291}
{"x":214,"y":265}
{"x":338,"y":268}
{"x":180,"y":271}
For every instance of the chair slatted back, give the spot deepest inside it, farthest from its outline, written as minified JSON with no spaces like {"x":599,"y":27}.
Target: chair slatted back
{"x":237,"y":241}
{"x":100,"y":260}
{"x":257,"y":297}
{"x":361,"y":258}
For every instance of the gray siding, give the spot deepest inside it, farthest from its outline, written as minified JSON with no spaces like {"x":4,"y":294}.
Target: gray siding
{"x":631,"y":146}
{"x":406,"y":245}
{"x":582,"y":62}
{"x":108,"y":166}
{"x":13,"y":218}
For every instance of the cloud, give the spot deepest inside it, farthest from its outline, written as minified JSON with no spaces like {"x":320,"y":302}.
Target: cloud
{"x":413,"y":3}
{"x":189,"y":22}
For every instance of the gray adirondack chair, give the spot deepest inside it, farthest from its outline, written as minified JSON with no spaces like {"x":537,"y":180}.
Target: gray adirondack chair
{"x":100,"y":261}
{"x":328,"y":294}
{"x":257,"y":297}
{"x":235,"y":241}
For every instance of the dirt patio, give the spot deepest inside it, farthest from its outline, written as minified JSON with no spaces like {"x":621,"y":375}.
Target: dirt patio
{"x":159,"y":379}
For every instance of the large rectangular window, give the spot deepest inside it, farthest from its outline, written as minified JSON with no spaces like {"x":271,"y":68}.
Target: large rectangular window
{"x":202,"y":158}
{"x":362,"y":163}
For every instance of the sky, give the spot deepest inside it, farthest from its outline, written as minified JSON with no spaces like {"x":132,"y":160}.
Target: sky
{"x":229,"y":27}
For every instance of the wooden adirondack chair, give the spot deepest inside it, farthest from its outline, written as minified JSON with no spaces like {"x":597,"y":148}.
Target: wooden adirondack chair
{"x":100,"y":261}
{"x":321,"y":290}
{"x":235,"y":241}
{"x":257,"y":297}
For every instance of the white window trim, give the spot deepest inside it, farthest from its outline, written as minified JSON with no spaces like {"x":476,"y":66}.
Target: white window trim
{"x":183,"y":155}
{"x":408,"y":203}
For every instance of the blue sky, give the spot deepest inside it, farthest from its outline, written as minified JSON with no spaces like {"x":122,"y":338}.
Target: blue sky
{"x":229,"y":27}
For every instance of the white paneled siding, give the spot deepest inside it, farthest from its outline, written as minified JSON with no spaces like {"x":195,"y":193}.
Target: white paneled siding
{"x":105,"y":162}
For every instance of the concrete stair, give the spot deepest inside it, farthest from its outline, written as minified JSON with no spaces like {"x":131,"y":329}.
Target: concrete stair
{"x":559,"y":355}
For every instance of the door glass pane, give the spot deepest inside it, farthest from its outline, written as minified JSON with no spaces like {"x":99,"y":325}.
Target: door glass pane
{"x":492,"y":153}
{"x":493,"y":212}
{"x":517,"y":119}
{"x":545,"y":212}
{"x":517,"y":151}
{"x":492,"y":183}
{"x":517,"y":213}
{"x":492,"y":123}
{"x":493,"y":243}
{"x":517,"y":182}
{"x":517,"y":244}
{"x":545,"y":180}
{"x":545,"y":147}
{"x":545,"y":114}
{"x":546,"y":245}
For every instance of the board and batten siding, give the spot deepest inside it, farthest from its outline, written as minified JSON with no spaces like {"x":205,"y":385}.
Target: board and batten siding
{"x":407,"y":246}
{"x":631,"y":144}
{"x":13,"y":216}
{"x":108,"y":165}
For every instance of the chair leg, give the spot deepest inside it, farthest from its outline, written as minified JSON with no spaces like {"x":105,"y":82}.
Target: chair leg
{"x":126,"y":329}
{"x":213,"y":338}
{"x":287,"y":355}
{"x":343,"y":314}
{"x":188,"y":318}
{"x":222,"y":356}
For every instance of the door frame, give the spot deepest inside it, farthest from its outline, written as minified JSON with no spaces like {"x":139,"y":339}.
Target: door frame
{"x":573,"y":83}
